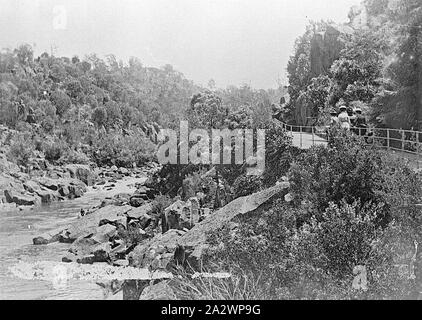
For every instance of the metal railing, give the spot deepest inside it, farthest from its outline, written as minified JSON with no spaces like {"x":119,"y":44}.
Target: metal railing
{"x":406,"y":142}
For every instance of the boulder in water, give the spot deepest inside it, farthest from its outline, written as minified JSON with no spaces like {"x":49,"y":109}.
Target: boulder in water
{"x":21,"y":199}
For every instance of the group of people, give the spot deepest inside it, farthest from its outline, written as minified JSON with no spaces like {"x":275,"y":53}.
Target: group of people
{"x":349,"y":119}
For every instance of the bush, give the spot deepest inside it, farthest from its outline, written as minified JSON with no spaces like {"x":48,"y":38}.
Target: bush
{"x":246,"y":185}
{"x":352,"y":207}
{"x":21,"y":150}
{"x":76,"y":157}
{"x":55,"y":150}
{"x":345,"y":170}
{"x":48,"y":124}
{"x":122,"y":151}
{"x":279,"y":153}
{"x":315,"y":260}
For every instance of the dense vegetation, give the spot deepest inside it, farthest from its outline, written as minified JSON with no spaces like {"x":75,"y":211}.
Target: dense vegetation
{"x":81,"y":110}
{"x":376,"y":67}
{"x":349,"y":205}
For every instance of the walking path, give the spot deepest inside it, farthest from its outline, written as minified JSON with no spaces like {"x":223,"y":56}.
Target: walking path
{"x":305,"y":140}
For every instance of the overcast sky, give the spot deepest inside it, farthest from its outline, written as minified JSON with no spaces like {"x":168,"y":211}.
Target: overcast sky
{"x":230,"y":41}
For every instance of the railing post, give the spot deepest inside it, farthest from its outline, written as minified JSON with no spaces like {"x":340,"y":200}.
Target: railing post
{"x":388,"y":139}
{"x":313,"y":136}
{"x":300,"y":128}
{"x":402,"y":140}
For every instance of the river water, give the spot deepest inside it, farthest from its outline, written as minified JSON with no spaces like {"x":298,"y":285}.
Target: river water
{"x":18,"y":228}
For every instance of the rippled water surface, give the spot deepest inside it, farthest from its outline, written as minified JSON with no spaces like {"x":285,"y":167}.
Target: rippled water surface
{"x":18,"y":228}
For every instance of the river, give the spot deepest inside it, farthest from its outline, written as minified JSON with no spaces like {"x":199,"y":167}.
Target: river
{"x":18,"y":228}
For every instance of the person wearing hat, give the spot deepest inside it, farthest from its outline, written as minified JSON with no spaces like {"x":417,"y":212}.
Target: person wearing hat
{"x":333,"y":123}
{"x":360,"y":122}
{"x":352,"y":116}
{"x":334,"y":118}
{"x":343,"y":118}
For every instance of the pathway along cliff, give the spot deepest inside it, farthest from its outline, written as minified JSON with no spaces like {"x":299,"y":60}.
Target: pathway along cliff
{"x":19,"y":227}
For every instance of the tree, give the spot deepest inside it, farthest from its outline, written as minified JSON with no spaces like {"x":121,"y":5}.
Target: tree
{"x":24,"y":54}
{"x":356,"y":74}
{"x":61,"y":101}
{"x":316,"y":95}
{"x":207,"y":111}
{"x":99,"y":116}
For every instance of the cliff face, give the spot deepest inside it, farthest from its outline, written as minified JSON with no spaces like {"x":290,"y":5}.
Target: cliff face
{"x":325,"y":48}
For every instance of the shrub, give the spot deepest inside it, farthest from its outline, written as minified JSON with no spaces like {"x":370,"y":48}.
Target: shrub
{"x":21,"y":150}
{"x":48,"y":124}
{"x":352,"y":207}
{"x":55,"y":150}
{"x":23,"y":127}
{"x":246,"y":185}
{"x":123,"y":151}
{"x":61,"y":101}
{"x":315,"y":260}
{"x":279,"y":153}
{"x":77,"y":157}
{"x":345,"y":170}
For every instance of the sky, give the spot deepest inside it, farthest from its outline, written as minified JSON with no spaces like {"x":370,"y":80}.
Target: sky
{"x":233,"y":42}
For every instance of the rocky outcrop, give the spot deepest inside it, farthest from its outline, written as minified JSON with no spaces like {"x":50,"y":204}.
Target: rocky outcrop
{"x":38,"y":187}
{"x":21,"y":199}
{"x":193,"y":244}
{"x":87,"y":226}
{"x":82,"y":173}
{"x":157,"y":253}
{"x":182,"y":215}
{"x":179,"y":247}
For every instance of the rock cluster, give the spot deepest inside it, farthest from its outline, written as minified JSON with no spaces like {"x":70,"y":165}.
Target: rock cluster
{"x":38,"y":182}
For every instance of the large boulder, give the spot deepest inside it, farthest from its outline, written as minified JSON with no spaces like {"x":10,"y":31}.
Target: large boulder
{"x":141,"y":214}
{"x":48,"y":237}
{"x":47,"y":196}
{"x":156,"y":253}
{"x":178,"y":247}
{"x":104,"y":233}
{"x":137,"y":213}
{"x":81,"y":172}
{"x":10,"y":185}
{"x":65,"y":187}
{"x":31,"y":186}
{"x":49,"y":183}
{"x":183,"y":215}
{"x":87,"y":226}
{"x":21,"y":199}
{"x":193,"y":244}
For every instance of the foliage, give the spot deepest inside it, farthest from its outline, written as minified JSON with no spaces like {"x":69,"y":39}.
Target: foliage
{"x":344,"y":215}
{"x":246,"y":185}
{"x":379,"y":67}
{"x":121,"y":150}
{"x":21,"y":149}
{"x":207,"y":111}
{"x":55,"y":150}
{"x":279,"y":153}
{"x":76,"y":157}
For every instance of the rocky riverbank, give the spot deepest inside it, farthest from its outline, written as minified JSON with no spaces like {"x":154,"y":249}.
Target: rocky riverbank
{"x":127,"y":233}
{"x":42,"y":182}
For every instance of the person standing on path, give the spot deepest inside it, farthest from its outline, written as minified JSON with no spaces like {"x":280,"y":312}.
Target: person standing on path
{"x":360,"y":122}
{"x":344,"y":118}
